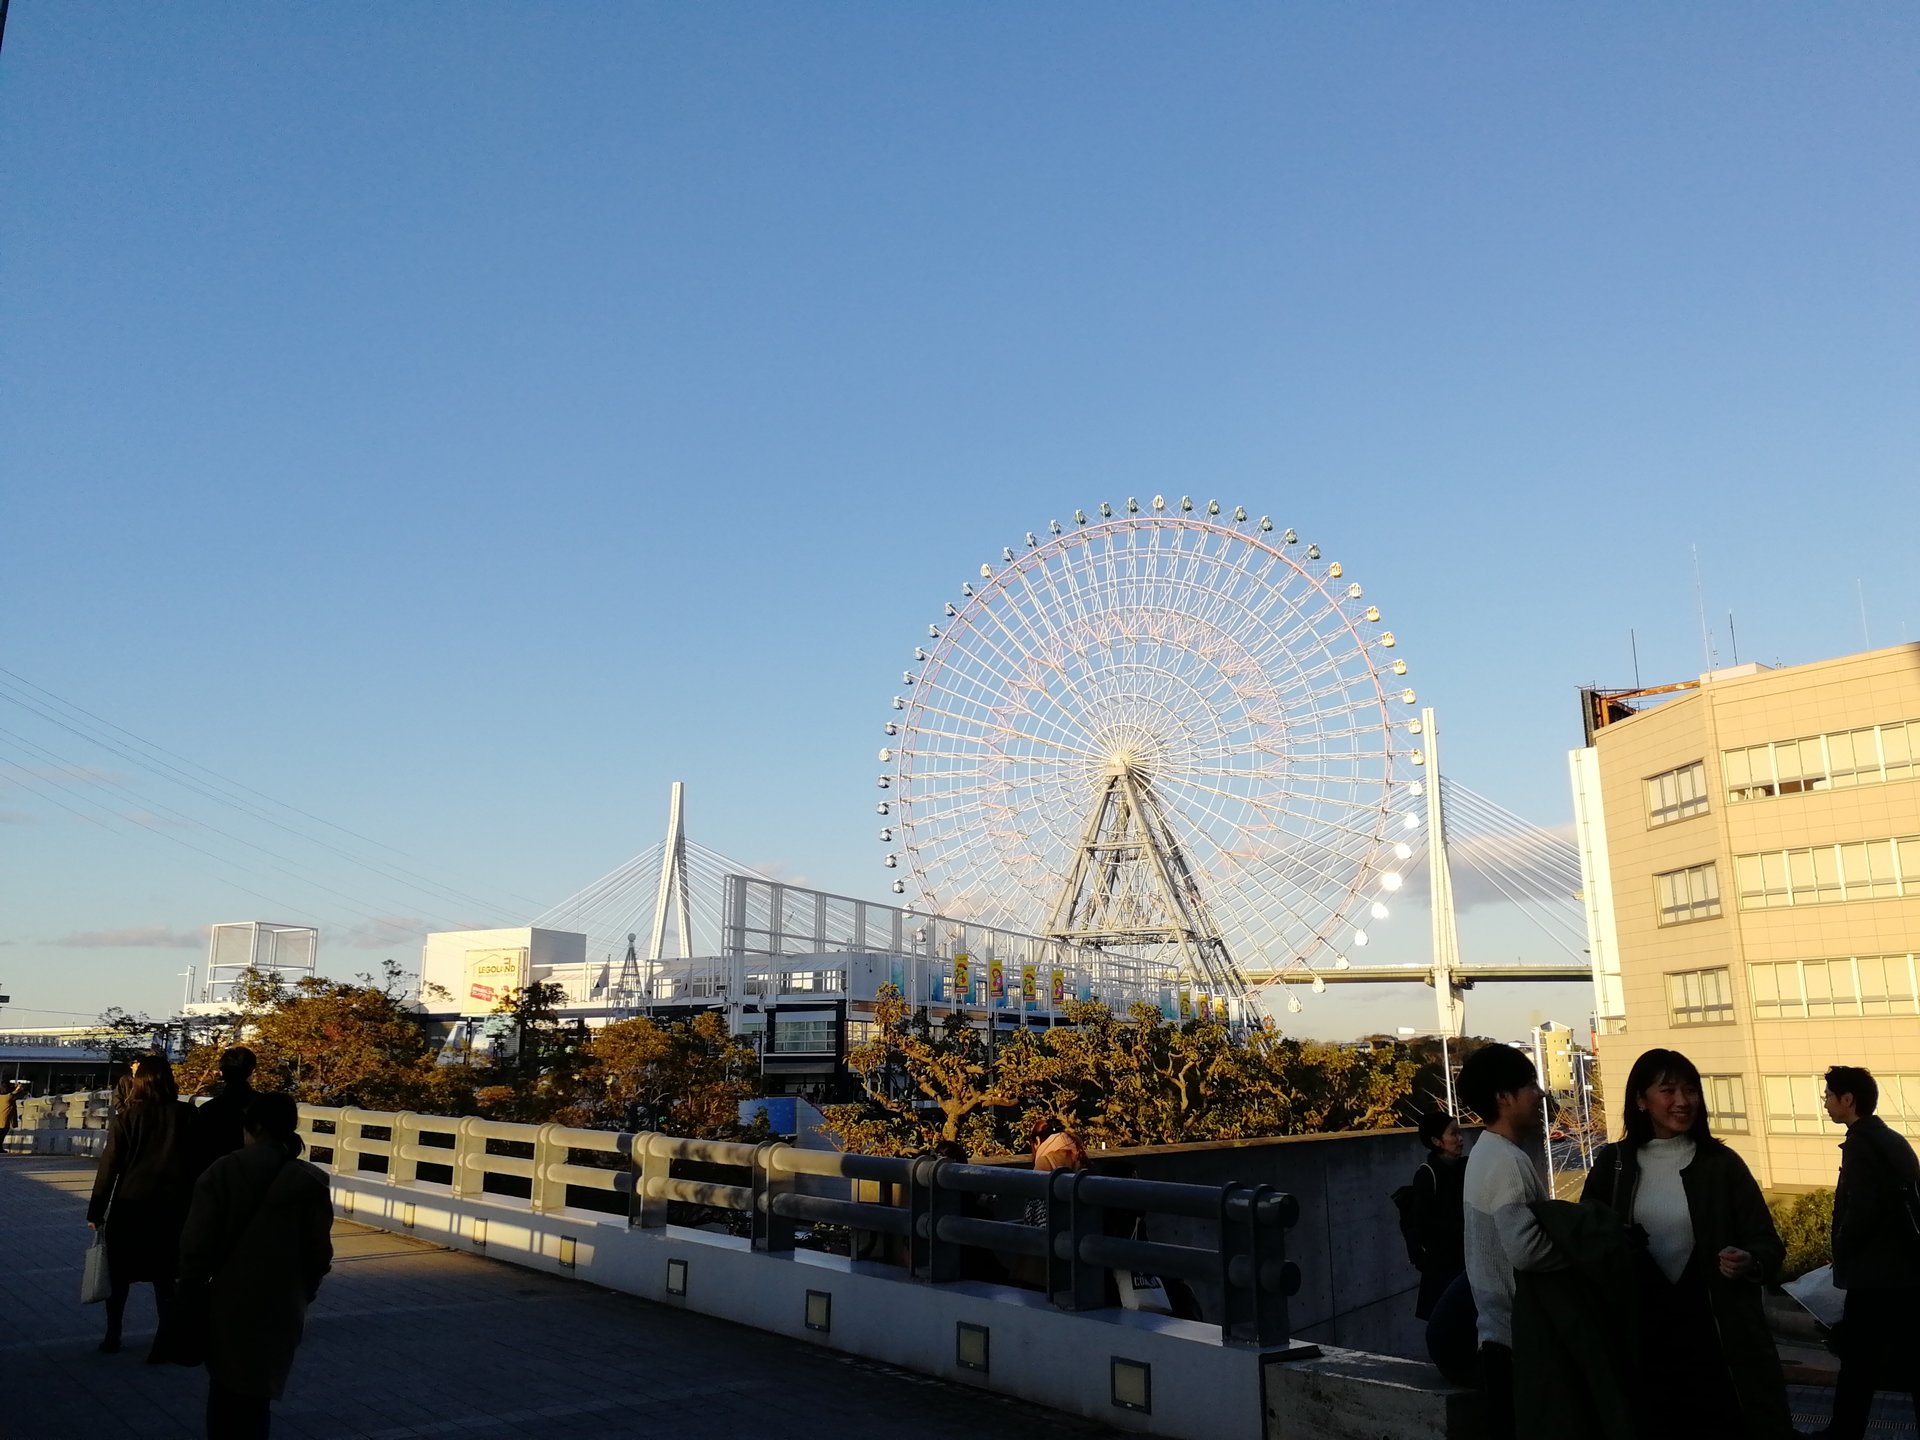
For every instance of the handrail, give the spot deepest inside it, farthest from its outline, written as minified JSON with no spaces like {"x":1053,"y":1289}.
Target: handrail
{"x":1231,"y":1237}
{"x":1228,"y":1239}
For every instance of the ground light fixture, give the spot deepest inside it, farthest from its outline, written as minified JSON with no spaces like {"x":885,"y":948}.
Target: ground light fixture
{"x":970,"y":1346}
{"x":820,"y":1311}
{"x":677,"y":1278}
{"x":1133,"y":1385}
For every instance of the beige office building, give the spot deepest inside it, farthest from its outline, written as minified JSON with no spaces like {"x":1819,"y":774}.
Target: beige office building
{"x":1751,"y":854}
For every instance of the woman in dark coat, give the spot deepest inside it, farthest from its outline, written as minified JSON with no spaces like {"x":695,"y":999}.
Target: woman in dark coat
{"x":1707,"y":1367}
{"x":140,"y":1195}
{"x":1436,"y":1210}
{"x":256,"y":1245}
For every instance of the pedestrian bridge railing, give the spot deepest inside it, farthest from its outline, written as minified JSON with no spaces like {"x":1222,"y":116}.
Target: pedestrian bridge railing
{"x":73,"y":1124}
{"x":939,"y":1208}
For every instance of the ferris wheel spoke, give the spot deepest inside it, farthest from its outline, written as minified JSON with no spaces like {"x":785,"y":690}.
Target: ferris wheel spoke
{"x":1234,"y":685}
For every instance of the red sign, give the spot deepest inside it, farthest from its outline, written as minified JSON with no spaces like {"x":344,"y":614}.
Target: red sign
{"x":480,"y":992}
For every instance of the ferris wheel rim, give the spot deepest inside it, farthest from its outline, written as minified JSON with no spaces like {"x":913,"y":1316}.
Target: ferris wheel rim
{"x":956,"y":876}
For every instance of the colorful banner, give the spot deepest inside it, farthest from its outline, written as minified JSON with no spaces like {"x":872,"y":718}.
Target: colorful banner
{"x":1186,"y":1004}
{"x":1029,"y":984}
{"x":997,"y":980}
{"x":1206,"y":1006}
{"x":962,"y":978}
{"x":1059,"y":988}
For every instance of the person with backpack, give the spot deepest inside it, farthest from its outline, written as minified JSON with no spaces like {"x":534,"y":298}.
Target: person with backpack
{"x":1432,"y":1214}
{"x":1876,"y":1254}
{"x":257,"y":1242}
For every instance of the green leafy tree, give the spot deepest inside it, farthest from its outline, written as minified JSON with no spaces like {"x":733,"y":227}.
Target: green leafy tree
{"x":923,"y":1084}
{"x":684,"y":1077}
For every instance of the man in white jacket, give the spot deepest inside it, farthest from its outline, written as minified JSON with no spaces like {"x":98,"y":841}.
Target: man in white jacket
{"x":1504,"y":1178}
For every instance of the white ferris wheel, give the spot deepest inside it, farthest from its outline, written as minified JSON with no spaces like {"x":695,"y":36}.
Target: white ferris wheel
{"x":1169,"y":730}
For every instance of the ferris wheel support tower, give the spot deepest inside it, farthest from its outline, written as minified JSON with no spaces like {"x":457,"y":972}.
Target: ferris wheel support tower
{"x":1130,"y":885}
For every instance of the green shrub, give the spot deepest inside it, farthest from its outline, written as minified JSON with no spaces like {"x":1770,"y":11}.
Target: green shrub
{"x":1805,"y":1223}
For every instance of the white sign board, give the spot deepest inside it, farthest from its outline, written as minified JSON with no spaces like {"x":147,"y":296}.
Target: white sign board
{"x":490,"y":975}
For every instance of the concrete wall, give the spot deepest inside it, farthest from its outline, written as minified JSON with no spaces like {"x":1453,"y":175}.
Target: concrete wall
{"x":1356,"y":1287}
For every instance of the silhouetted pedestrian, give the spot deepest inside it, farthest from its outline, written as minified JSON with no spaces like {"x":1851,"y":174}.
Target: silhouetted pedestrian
{"x":10,"y":1099}
{"x":1876,"y":1254}
{"x":218,"y":1125}
{"x":1434,"y":1218}
{"x":257,"y":1243}
{"x":140,"y":1193}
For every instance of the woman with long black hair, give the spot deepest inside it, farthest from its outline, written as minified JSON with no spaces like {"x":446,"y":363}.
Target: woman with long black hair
{"x":1707,"y":1367}
{"x":257,"y":1242}
{"x":140,"y":1193}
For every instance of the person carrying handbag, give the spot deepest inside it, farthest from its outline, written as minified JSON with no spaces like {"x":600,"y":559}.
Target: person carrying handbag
{"x":1876,"y":1255}
{"x":256,"y":1244}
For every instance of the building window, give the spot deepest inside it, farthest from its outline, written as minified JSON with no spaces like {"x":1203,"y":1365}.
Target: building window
{"x":1870,"y":755}
{"x":804,"y":1037}
{"x":1726,"y":1097}
{"x":1829,"y":874}
{"x":1677,"y":794}
{"x":1795,"y":1107}
{"x":1844,"y":986}
{"x":1690,"y":894}
{"x":1700,"y":997}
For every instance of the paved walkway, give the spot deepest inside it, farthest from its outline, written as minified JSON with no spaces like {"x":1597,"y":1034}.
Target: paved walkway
{"x":408,"y":1341}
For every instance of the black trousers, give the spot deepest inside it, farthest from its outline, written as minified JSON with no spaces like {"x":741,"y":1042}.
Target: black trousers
{"x":1879,"y":1350}
{"x":1496,"y":1390}
{"x":236,"y":1417}
{"x":1686,"y":1387}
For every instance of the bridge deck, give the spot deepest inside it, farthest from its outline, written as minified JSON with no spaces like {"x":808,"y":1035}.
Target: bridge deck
{"x":408,"y":1341}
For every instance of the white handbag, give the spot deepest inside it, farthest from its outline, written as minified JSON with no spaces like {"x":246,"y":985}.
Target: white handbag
{"x":96,"y":1283}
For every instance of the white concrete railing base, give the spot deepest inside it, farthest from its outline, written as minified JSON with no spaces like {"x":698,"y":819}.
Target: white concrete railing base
{"x":56,"y":1142}
{"x":1198,"y":1387}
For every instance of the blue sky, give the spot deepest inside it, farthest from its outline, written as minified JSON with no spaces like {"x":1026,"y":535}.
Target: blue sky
{"x":462,"y":422}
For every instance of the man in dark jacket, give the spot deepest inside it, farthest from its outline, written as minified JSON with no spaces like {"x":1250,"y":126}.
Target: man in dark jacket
{"x":217,"y":1125}
{"x":1876,"y":1254}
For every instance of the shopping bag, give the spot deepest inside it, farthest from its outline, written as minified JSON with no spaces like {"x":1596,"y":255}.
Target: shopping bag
{"x":1143,"y":1292}
{"x":95,"y":1281}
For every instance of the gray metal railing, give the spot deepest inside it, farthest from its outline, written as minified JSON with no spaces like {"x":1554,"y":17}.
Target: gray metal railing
{"x":934,"y":1216}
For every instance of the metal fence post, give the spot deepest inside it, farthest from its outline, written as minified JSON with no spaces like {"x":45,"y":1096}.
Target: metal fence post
{"x":547,"y":1193}
{"x":771,"y":1233}
{"x":346,"y":1141}
{"x":1253,"y":1226}
{"x":652,"y":1161}
{"x":928,"y":1203}
{"x":469,"y":1158}
{"x":1086,"y":1283}
{"x":406,"y":1135}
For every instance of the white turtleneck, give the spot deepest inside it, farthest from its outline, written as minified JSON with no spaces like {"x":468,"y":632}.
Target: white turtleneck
{"x":1660,"y":1204}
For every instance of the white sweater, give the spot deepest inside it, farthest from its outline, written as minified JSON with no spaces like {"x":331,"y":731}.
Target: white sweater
{"x":1502,"y":1235}
{"x":1660,"y":1204}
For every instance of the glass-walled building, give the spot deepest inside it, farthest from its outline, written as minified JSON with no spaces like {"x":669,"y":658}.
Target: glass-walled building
{"x":1751,"y":852}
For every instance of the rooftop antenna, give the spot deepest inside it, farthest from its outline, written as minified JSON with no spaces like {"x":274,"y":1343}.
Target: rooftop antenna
{"x":1866,"y":637}
{"x":1700,"y":600}
{"x":1733,"y":639}
{"x":1634,"y":641}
